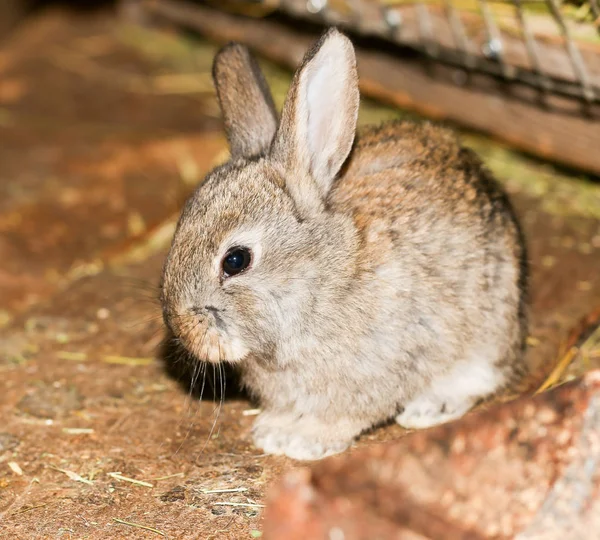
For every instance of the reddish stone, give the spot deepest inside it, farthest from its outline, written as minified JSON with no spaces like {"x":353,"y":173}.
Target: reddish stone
{"x":530,"y":467}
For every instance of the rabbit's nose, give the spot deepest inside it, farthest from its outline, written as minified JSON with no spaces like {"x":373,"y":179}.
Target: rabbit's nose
{"x":215,"y":312}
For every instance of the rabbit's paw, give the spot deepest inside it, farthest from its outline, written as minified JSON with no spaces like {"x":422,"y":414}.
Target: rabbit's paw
{"x":451,"y":396}
{"x":275,"y":435}
{"x":427,"y":411}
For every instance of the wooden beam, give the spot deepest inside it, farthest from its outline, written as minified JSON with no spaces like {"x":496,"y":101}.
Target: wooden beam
{"x":556,"y":128}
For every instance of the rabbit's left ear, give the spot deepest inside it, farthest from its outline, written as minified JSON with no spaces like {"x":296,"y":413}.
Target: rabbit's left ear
{"x":318,"y":122}
{"x":246,"y":103}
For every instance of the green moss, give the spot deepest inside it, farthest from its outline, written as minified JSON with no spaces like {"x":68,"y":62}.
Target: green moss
{"x":180,"y":52}
{"x":561,"y":193}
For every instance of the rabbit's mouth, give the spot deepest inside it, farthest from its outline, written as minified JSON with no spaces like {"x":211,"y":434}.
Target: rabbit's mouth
{"x":209,"y":339}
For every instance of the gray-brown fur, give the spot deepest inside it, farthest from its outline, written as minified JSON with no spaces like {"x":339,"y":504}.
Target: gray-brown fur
{"x":234,"y":66}
{"x":392,"y":288}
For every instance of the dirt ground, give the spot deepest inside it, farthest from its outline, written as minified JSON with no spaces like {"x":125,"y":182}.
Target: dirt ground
{"x":104,"y":129}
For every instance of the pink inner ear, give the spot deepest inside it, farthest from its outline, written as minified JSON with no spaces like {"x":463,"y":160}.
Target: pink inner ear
{"x":321,"y":112}
{"x":331,"y":100}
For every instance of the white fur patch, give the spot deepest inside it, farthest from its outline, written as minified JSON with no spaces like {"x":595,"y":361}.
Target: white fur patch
{"x":237,"y":350}
{"x":451,"y":396}
{"x":209,"y":345}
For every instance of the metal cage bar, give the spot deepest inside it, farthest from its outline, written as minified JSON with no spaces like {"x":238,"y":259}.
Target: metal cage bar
{"x":419,"y":23}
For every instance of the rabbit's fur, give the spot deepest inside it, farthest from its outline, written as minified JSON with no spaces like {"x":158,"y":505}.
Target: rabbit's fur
{"x":387,"y":276}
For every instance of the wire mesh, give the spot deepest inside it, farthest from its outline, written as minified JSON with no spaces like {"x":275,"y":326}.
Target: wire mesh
{"x":551,"y":45}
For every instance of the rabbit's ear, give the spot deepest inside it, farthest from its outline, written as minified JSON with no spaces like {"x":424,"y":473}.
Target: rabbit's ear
{"x":248,"y":110}
{"x":319,"y":116}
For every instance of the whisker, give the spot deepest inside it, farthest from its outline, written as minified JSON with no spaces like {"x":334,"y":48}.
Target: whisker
{"x":203,"y":381}
{"x":221,"y":374}
{"x":143,"y":322}
{"x":217,"y":409}
{"x":214,"y":385}
{"x":191,"y":409}
{"x":199,"y":366}
{"x":197,"y":369}
{"x":141,"y":288}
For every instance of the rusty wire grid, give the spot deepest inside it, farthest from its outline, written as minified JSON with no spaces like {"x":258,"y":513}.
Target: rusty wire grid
{"x":550,"y":45}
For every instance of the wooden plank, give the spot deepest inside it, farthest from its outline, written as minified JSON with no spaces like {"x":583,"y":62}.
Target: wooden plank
{"x":557,"y":129}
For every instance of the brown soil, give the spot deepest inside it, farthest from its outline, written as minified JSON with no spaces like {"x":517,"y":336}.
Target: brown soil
{"x":99,"y":144}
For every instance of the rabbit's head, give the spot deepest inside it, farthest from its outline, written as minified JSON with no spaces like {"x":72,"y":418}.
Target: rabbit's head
{"x":258,"y":258}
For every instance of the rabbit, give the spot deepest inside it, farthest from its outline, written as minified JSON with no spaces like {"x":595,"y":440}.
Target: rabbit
{"x":350,"y":279}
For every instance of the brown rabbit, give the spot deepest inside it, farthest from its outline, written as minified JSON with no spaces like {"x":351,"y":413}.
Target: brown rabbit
{"x":350,"y":281}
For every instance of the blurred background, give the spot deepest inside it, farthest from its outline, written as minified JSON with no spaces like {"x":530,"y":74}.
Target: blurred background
{"x":108,"y":121}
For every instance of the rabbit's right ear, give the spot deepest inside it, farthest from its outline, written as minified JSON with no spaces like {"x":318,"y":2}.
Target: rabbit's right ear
{"x":318,"y":121}
{"x":247,"y":106}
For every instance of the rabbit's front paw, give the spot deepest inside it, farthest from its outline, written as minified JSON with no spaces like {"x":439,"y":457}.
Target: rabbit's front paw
{"x":428,"y":411}
{"x":275,"y":435}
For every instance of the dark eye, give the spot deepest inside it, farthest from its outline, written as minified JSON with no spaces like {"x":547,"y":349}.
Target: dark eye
{"x":236,"y":261}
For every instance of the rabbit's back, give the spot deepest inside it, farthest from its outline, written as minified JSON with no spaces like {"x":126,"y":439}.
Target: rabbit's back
{"x":428,"y":209}
{"x":403,"y":170}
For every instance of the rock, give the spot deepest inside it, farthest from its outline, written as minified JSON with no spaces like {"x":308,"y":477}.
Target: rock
{"x":529,"y":468}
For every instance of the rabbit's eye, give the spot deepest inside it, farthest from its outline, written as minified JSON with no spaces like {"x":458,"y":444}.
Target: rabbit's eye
{"x":236,"y":261}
